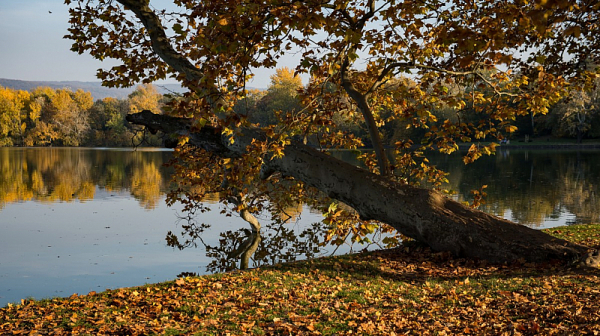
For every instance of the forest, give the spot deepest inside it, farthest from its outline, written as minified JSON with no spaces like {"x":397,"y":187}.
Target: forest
{"x":61,"y":117}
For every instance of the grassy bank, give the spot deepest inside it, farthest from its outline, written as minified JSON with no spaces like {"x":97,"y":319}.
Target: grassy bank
{"x":394,"y":292}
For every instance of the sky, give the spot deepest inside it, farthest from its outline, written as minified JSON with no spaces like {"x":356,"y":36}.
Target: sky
{"x":32,"y":46}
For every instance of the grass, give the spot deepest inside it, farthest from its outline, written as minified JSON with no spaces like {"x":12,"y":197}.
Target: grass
{"x":401,"y":291}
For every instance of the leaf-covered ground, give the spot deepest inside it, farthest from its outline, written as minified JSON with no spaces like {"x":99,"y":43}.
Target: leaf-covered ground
{"x":405,"y":291}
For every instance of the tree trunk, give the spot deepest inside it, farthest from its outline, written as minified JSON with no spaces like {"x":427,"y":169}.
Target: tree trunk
{"x":425,"y":215}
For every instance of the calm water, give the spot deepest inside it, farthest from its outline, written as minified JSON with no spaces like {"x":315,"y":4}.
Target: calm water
{"x":77,"y":220}
{"x":538,"y":188}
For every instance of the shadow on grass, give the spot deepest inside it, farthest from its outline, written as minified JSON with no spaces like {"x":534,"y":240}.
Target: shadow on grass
{"x":417,"y":264}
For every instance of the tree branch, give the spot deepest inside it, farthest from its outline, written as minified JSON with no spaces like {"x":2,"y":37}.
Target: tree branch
{"x":208,"y":138}
{"x":365,"y":109}
{"x":411,"y":65}
{"x":160,"y":42}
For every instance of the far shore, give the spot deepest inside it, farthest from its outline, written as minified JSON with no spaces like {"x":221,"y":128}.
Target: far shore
{"x":536,"y":144}
{"x":540,"y":145}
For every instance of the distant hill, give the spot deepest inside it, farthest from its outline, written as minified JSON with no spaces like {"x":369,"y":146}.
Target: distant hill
{"x":97,"y":90}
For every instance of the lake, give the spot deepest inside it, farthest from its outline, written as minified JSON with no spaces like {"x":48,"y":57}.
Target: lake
{"x":538,"y":188}
{"x":75,"y":220}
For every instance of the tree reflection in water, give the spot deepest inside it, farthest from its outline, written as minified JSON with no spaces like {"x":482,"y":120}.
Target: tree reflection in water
{"x":276,"y":242}
{"x":536,"y":188}
{"x":51,"y":175}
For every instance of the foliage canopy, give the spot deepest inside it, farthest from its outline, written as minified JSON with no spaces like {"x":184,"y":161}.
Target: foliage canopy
{"x":461,"y":70}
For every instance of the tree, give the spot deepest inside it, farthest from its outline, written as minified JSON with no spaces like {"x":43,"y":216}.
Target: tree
{"x":145,"y":97}
{"x":578,"y":109}
{"x":107,"y":123}
{"x":66,"y":112}
{"x":40,"y":132}
{"x":14,"y":106}
{"x":281,"y":98}
{"x":353,"y":52}
{"x":577,"y":114}
{"x":247,"y":104}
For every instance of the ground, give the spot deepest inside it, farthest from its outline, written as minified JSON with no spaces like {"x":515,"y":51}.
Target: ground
{"x":404,"y":291}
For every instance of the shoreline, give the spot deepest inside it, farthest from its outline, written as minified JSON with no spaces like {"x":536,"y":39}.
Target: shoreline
{"x":406,"y":290}
{"x":539,"y":146}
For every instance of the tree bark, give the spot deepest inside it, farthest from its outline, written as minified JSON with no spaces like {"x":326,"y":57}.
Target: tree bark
{"x":363,"y":105}
{"x":424,"y":215}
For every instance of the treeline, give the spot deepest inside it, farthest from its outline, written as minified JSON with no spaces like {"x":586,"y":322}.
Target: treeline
{"x":61,"y":117}
{"x":574,"y":118}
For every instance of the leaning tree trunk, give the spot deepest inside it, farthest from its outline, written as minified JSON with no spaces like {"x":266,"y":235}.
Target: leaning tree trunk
{"x":422,"y":214}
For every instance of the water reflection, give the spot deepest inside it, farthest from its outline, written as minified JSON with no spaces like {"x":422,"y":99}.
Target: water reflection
{"x":537,"y":188}
{"x":51,"y":175}
{"x":275,"y":242}
{"x":530,"y":187}
{"x":75,"y":220}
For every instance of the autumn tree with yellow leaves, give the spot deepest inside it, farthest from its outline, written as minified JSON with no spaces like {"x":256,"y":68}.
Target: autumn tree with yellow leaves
{"x":62,"y":117}
{"x":280,"y":98}
{"x":516,"y":58}
{"x":13,"y":114}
